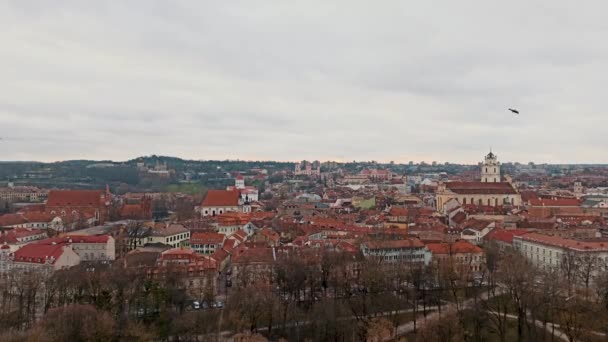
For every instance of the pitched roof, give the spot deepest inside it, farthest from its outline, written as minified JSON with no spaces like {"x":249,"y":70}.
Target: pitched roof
{"x":172,"y":229}
{"x":37,"y":217}
{"x":75,"y":239}
{"x":78,"y":198}
{"x":464,"y":188}
{"x":221,"y":198}
{"x":270,"y":234}
{"x":219,"y":255}
{"x":207,"y":238}
{"x":453,"y":248}
{"x":37,"y":253}
{"x":11,"y":220}
{"x":14,"y":235}
{"x":253,"y":255}
{"x":460,"y":217}
{"x":229,"y":245}
{"x":505,"y":235}
{"x":240,"y":235}
{"x":476,"y":224}
{"x":550,"y":240}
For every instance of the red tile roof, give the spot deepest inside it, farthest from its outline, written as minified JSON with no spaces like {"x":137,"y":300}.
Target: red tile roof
{"x":13,"y":235}
{"x":239,"y":235}
{"x":219,"y":255}
{"x":504,"y":235}
{"x":8,"y":220}
{"x":453,"y":248}
{"x":476,"y":224}
{"x":207,"y":238}
{"x":37,"y":217}
{"x":460,"y":217}
{"x":75,"y":239}
{"x":253,"y":255}
{"x":549,"y":240}
{"x":37,"y":253}
{"x":481,"y":188}
{"x":229,"y":245}
{"x":527,"y":195}
{"x":221,"y":198}
{"x":270,"y":234}
{"x":74,"y":198}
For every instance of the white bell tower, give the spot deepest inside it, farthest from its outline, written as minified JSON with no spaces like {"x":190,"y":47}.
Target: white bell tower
{"x":239,"y":182}
{"x":490,"y":169}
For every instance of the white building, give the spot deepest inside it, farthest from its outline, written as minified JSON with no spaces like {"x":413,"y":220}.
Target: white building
{"x":88,"y":247}
{"x":206,"y":242}
{"x":490,"y":191}
{"x":217,"y":202}
{"x":13,"y":193}
{"x":397,"y":251}
{"x":490,"y":169}
{"x":174,"y":235}
{"x":42,"y":258}
{"x":474,"y":230}
{"x":546,"y":251}
{"x":248,"y":194}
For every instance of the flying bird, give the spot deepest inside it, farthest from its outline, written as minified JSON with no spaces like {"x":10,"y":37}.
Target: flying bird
{"x":514,"y":110}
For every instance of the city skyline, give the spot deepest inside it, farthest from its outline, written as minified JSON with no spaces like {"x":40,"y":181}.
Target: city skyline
{"x":274,"y":81}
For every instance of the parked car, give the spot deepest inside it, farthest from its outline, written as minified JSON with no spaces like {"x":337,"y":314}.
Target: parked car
{"x":196,"y":305}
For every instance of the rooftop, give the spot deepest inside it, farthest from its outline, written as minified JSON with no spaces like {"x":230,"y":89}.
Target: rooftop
{"x":575,"y":245}
{"x":502,"y":188}
{"x":221,"y":198}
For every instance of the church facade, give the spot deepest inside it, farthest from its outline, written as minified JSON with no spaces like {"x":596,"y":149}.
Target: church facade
{"x":491,"y":190}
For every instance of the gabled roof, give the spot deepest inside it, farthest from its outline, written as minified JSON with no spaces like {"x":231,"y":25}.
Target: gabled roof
{"x":221,"y":198}
{"x":475,"y":224}
{"x":74,"y":198}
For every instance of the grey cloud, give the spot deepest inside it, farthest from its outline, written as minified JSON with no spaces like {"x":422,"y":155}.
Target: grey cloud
{"x":284,"y":80}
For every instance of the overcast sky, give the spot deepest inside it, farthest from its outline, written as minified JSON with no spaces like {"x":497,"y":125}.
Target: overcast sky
{"x":291,"y":80}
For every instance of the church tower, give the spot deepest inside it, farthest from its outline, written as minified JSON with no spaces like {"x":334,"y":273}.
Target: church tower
{"x":490,"y":169}
{"x":239,"y":182}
